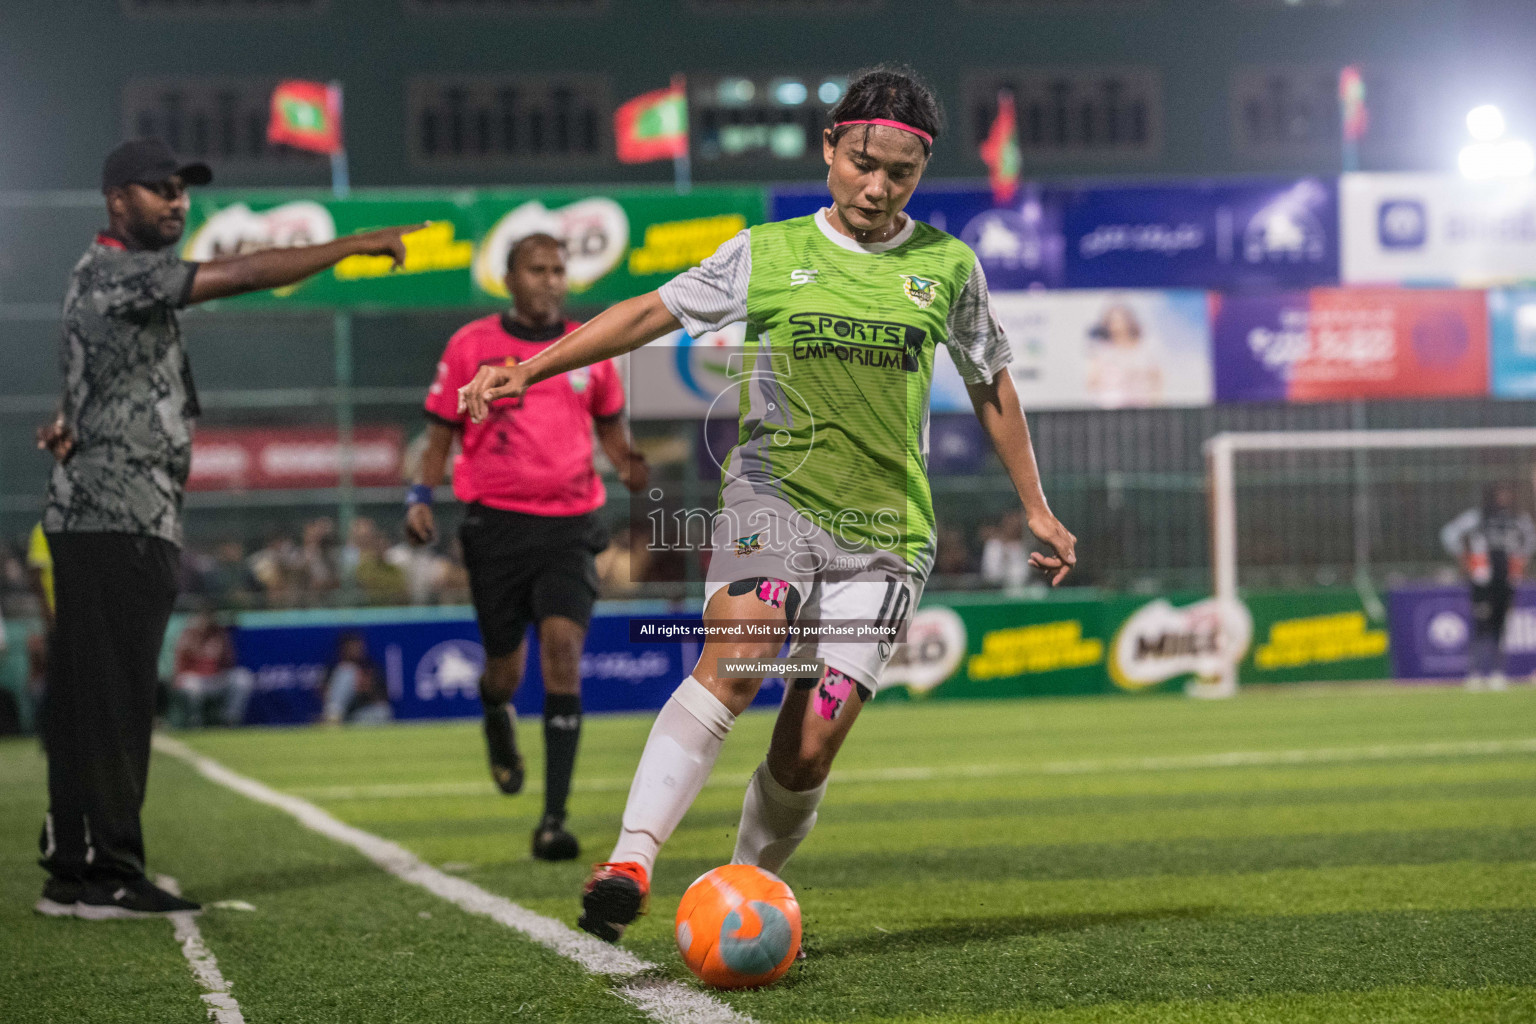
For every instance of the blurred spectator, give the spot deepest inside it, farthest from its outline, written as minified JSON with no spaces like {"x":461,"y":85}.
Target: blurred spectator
{"x":425,"y":570}
{"x":379,"y":581}
{"x":1004,"y":556}
{"x":317,"y":563}
{"x":622,"y":565}
{"x":354,"y":690}
{"x":13,"y":575}
{"x":228,"y":581}
{"x":455,"y":585}
{"x":207,"y":673}
{"x":275,"y":569}
{"x":192,"y":570}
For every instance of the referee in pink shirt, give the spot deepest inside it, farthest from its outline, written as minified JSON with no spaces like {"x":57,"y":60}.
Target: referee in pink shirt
{"x":529,"y":533}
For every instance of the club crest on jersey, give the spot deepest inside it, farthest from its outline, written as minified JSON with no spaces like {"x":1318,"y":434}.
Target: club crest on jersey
{"x":921,"y":290}
{"x":749,"y":545}
{"x":579,"y":378}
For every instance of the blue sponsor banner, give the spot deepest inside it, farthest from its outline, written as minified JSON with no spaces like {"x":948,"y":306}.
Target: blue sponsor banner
{"x":1229,"y":235}
{"x":1432,"y":631}
{"x":1220,"y":235}
{"x":1258,"y":341}
{"x":957,"y":444}
{"x":431,"y":669}
{"x":1019,"y":245}
{"x":1512,"y":342}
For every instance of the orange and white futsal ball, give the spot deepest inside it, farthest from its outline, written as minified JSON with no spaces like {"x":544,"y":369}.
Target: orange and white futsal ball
{"x":738,"y":926}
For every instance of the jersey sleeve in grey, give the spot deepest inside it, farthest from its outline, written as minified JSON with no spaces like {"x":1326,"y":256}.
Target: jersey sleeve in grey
{"x":714,"y":293}
{"x":976,"y":339}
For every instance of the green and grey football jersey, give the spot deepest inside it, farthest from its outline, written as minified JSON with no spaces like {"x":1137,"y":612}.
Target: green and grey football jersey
{"x":840,"y":344}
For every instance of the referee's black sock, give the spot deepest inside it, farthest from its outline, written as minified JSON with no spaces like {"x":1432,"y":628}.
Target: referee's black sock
{"x":562,"y":731}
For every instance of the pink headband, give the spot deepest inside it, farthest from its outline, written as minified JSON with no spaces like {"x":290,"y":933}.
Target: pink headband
{"x":891,"y":124}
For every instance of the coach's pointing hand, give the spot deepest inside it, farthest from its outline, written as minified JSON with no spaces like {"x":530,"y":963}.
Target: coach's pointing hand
{"x":491,"y":383}
{"x":388,"y":241}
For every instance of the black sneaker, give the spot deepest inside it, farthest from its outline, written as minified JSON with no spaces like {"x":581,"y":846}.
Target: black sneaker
{"x":552,"y":842}
{"x":138,"y":897}
{"x":501,"y":747}
{"x":60,"y":898}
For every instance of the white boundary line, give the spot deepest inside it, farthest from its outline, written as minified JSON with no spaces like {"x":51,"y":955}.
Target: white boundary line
{"x":222,"y":1008}
{"x":922,"y":773}
{"x":661,"y":999}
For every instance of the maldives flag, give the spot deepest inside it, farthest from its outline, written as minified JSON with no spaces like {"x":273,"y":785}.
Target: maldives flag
{"x":1353,"y":114}
{"x":653,"y":126}
{"x":1000,"y":150}
{"x":306,"y":115}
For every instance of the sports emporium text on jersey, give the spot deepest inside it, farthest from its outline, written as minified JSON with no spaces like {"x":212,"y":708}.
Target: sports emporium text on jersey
{"x":881,"y":343}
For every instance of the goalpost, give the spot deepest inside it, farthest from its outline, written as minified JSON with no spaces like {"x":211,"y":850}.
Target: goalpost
{"x":1362,"y":506}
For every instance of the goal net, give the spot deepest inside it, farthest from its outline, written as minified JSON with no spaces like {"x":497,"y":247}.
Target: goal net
{"x":1296,"y":509}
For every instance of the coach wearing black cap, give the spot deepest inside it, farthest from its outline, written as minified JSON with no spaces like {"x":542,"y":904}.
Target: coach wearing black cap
{"x":123,"y":442}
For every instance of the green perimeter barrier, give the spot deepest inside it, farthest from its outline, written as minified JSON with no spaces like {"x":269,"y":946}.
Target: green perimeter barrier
{"x":963,"y":646}
{"x":620,"y":242}
{"x":987,"y":646}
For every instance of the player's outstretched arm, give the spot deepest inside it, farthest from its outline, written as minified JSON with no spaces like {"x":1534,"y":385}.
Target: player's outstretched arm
{"x":277,"y":268}
{"x":619,"y":329}
{"x":997,"y":407}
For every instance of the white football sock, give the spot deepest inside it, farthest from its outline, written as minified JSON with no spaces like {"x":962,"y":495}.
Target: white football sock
{"x":774,"y":820}
{"x":678,"y":757}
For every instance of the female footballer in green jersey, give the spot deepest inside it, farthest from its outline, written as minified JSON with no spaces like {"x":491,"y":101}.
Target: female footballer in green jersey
{"x":825,"y":519}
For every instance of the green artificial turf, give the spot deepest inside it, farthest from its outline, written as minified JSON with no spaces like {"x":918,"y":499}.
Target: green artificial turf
{"x":1323,"y":856}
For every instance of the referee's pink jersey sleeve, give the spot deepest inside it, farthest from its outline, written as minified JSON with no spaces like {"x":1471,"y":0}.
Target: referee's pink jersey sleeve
{"x":607,"y":389}
{"x":452,"y":374}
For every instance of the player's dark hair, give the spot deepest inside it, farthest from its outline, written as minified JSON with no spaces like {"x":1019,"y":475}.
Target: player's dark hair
{"x":538,"y":238}
{"x":891,"y":92}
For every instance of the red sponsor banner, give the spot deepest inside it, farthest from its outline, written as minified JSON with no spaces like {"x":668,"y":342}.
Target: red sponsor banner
{"x":1392,"y":343}
{"x":292,"y":457}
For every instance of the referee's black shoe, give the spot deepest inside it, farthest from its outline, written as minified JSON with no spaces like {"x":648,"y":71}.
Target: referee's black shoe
{"x":137,"y":897}
{"x":552,"y":842}
{"x":501,"y":748}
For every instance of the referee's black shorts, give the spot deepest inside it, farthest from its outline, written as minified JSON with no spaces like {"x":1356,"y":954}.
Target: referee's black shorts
{"x":524,"y":568}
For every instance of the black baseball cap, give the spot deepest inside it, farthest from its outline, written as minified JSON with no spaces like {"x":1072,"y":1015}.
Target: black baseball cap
{"x":146,"y":161}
